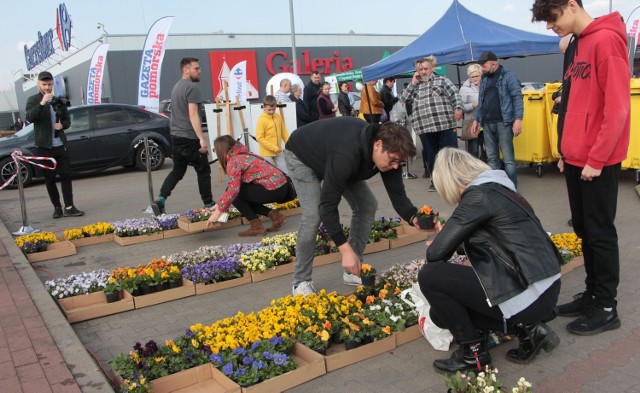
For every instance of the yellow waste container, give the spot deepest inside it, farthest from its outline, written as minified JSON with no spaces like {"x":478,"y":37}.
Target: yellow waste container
{"x":532,"y":145}
{"x":552,"y":118}
{"x":633,"y":154}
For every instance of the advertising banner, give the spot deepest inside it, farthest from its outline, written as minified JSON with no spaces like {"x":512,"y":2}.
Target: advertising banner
{"x":151,"y":63}
{"x":633,"y":25}
{"x":96,"y":71}
{"x":238,"y":82}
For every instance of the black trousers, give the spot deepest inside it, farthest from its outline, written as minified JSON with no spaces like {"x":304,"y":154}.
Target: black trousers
{"x":63,"y":169}
{"x":593,"y":211}
{"x":458,"y":302}
{"x":252,"y":197}
{"x":372,"y":119}
{"x":185,"y":151}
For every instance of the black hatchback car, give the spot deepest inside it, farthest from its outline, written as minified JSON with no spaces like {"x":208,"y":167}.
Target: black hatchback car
{"x":100,"y":137}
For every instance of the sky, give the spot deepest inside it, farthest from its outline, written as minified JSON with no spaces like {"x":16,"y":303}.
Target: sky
{"x":23,"y":20}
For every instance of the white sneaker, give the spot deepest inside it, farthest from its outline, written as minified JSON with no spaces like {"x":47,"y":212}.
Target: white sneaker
{"x":351,"y":279}
{"x":304,"y":288}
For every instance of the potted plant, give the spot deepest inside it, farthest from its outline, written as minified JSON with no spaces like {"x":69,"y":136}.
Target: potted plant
{"x":368,"y":275}
{"x":484,"y":381}
{"x":315,"y":337}
{"x":352,"y":331}
{"x":426,"y":217}
{"x":112,"y":290}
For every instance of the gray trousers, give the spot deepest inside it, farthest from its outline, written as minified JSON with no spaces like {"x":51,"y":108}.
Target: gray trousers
{"x":308,"y":186}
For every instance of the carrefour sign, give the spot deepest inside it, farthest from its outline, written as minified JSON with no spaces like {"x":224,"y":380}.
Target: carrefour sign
{"x":43,"y":48}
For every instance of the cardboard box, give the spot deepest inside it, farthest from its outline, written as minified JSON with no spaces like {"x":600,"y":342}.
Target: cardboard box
{"x":409,"y":235}
{"x":572,"y":264}
{"x":187,"y":289}
{"x":310,"y":365}
{"x":409,"y":334}
{"x":327,"y":259}
{"x":201,"y":226}
{"x":129,"y":240}
{"x":380,"y":245}
{"x":93,"y":305}
{"x":206,"y":288}
{"x":169,"y":233}
{"x":271,"y":273}
{"x":91,"y":240}
{"x":338,"y":357}
{"x":198,"y":379}
{"x":55,"y":250}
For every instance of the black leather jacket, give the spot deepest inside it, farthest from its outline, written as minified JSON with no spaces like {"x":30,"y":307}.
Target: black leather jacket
{"x":503,"y":239}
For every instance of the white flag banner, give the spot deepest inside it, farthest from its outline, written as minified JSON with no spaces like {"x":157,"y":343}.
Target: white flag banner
{"x":238,"y":82}
{"x":96,"y":70}
{"x":633,"y":24}
{"x":152,"y":55}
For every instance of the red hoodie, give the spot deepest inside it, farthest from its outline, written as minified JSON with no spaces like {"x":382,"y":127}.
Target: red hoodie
{"x":597,"y":122}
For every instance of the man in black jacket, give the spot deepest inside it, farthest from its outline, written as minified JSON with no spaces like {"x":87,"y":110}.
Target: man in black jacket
{"x":332,"y":159}
{"x":50,"y":118}
{"x":310,"y":96}
{"x":387,"y":97}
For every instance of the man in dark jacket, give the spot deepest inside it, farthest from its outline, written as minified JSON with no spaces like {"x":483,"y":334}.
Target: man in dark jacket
{"x":310,"y":96}
{"x":387,"y":97}
{"x":332,"y":159}
{"x":50,"y":118}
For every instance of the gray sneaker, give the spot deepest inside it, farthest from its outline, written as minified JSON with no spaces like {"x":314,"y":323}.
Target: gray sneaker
{"x":304,"y":288}
{"x":351,"y":279}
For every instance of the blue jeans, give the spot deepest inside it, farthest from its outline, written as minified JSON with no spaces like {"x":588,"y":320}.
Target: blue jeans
{"x":498,"y":137}
{"x":308,"y":186}
{"x":432,"y":142}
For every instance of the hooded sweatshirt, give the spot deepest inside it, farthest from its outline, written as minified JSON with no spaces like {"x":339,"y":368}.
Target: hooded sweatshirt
{"x":596,"y":126}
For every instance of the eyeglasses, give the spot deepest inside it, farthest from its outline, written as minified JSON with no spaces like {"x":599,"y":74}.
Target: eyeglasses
{"x":393,"y":160}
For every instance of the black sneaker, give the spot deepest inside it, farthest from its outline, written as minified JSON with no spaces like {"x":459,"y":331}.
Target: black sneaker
{"x":57,"y":212}
{"x":577,"y":306}
{"x":570,"y":222}
{"x":595,"y":321}
{"x":72,"y":212}
{"x":432,"y":188}
{"x":157,"y":207}
{"x":409,"y":175}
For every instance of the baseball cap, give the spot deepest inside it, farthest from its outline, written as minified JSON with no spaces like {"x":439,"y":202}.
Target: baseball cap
{"x":44,"y":76}
{"x":487,"y":56}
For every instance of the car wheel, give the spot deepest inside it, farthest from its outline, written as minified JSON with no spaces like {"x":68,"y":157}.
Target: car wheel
{"x":156,"y":158}
{"x":8,"y":169}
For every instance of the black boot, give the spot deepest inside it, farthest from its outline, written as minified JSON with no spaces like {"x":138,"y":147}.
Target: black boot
{"x":532,"y":338}
{"x":469,"y":355}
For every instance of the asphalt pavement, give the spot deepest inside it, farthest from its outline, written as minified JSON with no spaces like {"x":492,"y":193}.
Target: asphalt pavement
{"x":609,"y":362}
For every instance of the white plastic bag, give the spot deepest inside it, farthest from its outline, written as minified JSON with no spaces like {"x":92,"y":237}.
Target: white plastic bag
{"x":398,"y":113}
{"x":437,"y":337}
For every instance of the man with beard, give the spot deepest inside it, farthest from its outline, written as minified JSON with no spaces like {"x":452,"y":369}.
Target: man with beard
{"x":189,"y":146}
{"x":310,"y":96}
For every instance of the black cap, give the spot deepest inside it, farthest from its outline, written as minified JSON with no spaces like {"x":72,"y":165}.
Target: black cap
{"x":45,"y":76}
{"x":487,"y":56}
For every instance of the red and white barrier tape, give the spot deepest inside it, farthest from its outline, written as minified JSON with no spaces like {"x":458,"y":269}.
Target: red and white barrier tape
{"x":17,"y":156}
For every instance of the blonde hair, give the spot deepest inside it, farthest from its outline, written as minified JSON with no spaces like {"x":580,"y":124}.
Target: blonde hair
{"x":475,"y":67}
{"x":455,"y":168}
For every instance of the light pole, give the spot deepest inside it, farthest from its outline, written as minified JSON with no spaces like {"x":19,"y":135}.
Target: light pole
{"x":293,"y":39}
{"x":101,"y":26}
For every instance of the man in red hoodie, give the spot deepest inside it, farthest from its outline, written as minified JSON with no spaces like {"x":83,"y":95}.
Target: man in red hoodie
{"x":593,"y":128}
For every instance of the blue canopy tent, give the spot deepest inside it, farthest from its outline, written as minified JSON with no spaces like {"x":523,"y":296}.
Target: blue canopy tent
{"x":461,"y":36}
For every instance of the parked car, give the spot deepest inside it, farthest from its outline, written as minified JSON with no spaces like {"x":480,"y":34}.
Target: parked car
{"x":100,"y":136}
{"x":165,"y":109}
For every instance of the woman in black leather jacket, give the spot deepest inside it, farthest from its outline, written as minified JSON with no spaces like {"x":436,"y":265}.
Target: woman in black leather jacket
{"x":514,"y":280}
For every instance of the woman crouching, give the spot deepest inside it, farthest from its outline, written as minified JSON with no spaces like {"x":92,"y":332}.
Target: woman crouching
{"x":514,"y":279}
{"x":252,"y":183}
